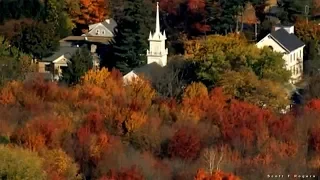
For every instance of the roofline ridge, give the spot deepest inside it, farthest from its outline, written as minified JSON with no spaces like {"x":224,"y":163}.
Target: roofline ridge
{"x":275,"y":39}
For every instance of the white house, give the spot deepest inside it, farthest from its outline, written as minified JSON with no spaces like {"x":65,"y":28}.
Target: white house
{"x":156,"y":54}
{"x":283,"y":40}
{"x":103,"y":29}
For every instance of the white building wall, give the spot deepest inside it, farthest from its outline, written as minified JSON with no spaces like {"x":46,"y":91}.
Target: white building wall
{"x":293,"y":61}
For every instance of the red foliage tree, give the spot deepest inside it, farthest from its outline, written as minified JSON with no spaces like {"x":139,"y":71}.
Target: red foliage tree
{"x":314,"y":138}
{"x":132,"y":173}
{"x":185,"y":144}
{"x":196,"y":5}
{"x":170,"y":6}
{"x":313,"y":105}
{"x":283,"y":128}
{"x":243,"y":121}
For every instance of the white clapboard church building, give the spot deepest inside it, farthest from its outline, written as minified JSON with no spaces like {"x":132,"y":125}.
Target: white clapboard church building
{"x":156,"y":54}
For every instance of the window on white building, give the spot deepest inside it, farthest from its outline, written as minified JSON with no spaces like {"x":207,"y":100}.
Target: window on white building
{"x":102,"y":31}
{"x":300,"y":53}
{"x":97,"y":31}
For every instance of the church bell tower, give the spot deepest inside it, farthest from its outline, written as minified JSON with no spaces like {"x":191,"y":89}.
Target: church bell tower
{"x":157,"y":44}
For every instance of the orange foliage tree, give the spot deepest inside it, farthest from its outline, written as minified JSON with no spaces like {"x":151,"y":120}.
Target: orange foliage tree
{"x":38,"y":133}
{"x":216,"y":175}
{"x":91,"y":11}
{"x":307,"y":31}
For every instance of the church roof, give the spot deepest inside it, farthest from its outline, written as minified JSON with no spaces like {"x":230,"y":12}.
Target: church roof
{"x":289,"y":41}
{"x":149,"y":71}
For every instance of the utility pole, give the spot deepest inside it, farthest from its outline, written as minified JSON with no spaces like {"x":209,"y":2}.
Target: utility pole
{"x":306,"y":12}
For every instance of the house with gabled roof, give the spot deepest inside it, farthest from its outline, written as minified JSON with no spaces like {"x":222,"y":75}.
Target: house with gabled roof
{"x":282,"y":39}
{"x":103,"y":29}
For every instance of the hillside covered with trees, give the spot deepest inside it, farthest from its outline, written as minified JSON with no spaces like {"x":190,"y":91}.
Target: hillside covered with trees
{"x":212,"y":113}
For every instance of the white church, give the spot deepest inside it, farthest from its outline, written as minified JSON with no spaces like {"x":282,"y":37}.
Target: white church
{"x":156,"y":54}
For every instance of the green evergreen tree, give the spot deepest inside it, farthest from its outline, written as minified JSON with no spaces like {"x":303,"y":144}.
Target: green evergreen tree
{"x":131,"y":36}
{"x":55,"y":14}
{"x":38,"y":39}
{"x":80,"y":62}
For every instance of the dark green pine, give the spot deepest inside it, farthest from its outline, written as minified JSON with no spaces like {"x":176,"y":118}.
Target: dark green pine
{"x":80,"y":62}
{"x":131,"y":36}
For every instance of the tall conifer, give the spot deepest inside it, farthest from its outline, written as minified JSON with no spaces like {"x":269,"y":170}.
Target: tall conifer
{"x":131,"y":36}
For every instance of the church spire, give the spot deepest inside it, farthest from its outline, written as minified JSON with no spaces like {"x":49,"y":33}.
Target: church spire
{"x":157,"y":20}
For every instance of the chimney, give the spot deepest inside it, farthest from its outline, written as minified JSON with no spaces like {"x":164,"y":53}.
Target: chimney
{"x":288,"y":28}
{"x":108,"y":21}
{"x":93,"y":48}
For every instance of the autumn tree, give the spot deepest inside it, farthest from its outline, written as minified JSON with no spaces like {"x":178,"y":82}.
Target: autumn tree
{"x":232,"y":52}
{"x":185,"y":144}
{"x":248,"y":16}
{"x":59,"y":165}
{"x":129,"y":43}
{"x":246,"y":86}
{"x":307,"y":31}
{"x":315,"y":8}
{"x":217,"y":175}
{"x":12,"y":27}
{"x":80,"y":62}
{"x":20,"y":164}
{"x":88,"y":12}
{"x":15,"y":65}
{"x":130,"y":173}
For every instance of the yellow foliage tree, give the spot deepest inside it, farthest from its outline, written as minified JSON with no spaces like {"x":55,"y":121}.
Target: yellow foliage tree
{"x":140,"y":93}
{"x":249,"y":14}
{"x":20,"y":164}
{"x":104,"y":79}
{"x":193,"y":100}
{"x":59,"y":165}
{"x":246,"y":86}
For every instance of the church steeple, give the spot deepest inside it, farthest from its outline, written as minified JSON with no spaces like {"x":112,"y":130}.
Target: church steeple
{"x":158,"y":51}
{"x":157,"y":20}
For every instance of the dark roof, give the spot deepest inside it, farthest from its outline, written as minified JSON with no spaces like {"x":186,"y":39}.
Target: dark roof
{"x":288,"y":41}
{"x":64,"y":50}
{"x":91,"y":39}
{"x":150,"y":71}
{"x":110,"y":25}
